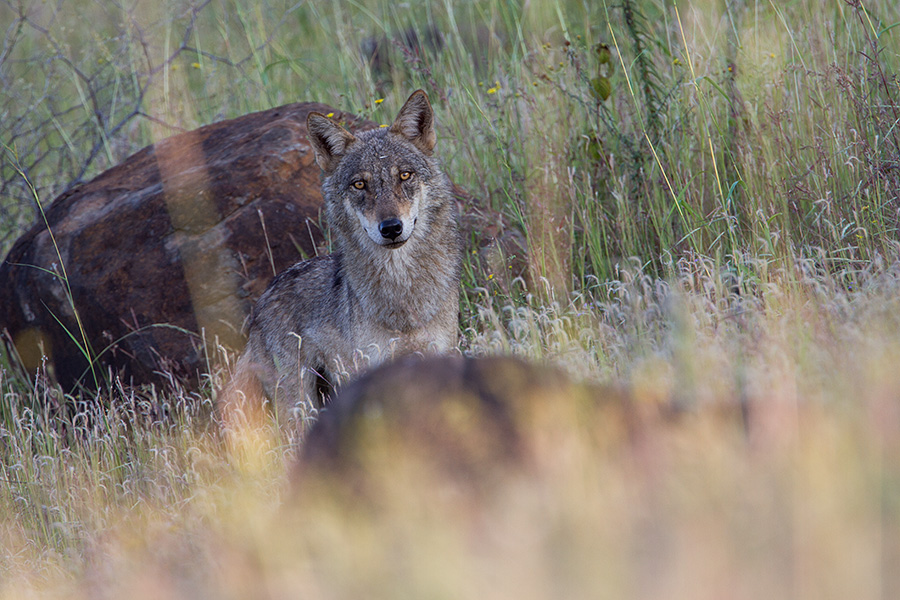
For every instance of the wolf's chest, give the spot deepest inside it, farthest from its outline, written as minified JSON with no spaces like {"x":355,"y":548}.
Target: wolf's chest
{"x":378,"y":344}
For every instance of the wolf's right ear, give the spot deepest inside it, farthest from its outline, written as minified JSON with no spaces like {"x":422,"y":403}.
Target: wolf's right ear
{"x":415,"y":122}
{"x":328,"y":139}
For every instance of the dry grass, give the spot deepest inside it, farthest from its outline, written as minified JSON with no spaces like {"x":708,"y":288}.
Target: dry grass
{"x":796,"y":495}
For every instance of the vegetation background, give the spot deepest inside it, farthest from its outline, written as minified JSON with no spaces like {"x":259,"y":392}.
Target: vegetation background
{"x":710,"y":192}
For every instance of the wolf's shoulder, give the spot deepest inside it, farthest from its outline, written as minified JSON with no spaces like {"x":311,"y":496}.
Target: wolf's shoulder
{"x":306,"y":274}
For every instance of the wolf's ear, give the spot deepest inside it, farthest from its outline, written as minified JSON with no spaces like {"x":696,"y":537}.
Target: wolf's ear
{"x":328,"y":139}
{"x":415,"y":122}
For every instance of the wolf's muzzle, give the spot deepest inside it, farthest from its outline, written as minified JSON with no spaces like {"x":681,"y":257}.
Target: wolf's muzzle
{"x":391,"y":229}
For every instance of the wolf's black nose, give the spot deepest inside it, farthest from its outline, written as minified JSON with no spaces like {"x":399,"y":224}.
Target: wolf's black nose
{"x":391,"y":228}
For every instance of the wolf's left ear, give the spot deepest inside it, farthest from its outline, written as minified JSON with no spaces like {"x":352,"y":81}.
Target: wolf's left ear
{"x":415,"y":122}
{"x":328,"y":139}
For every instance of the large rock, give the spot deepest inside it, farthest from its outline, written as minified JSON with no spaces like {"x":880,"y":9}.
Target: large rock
{"x":180,"y":238}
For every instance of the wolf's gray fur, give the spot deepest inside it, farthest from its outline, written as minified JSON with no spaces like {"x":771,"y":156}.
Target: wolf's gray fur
{"x":391,"y":287}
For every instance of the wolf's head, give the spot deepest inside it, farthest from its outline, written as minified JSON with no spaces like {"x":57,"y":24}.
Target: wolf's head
{"x":380,"y":179}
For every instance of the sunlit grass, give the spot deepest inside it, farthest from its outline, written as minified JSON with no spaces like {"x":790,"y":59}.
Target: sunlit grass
{"x":778,"y":461}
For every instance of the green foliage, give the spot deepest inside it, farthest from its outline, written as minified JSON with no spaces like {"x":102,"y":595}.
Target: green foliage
{"x":677,"y":139}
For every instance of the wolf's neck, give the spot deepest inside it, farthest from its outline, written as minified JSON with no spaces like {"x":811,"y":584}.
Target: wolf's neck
{"x":403,"y":289}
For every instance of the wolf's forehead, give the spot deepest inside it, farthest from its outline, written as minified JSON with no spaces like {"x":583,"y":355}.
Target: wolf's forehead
{"x":379,"y":150}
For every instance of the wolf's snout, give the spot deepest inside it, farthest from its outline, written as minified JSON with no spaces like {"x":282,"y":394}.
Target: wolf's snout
{"x":391,"y":229}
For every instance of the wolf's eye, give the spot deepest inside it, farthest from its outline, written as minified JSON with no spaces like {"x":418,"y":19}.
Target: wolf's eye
{"x":359,"y":184}
{"x":404,"y":175}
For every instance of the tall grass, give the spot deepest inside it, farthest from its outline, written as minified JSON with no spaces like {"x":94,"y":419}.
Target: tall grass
{"x":709,"y":192}
{"x":729,"y":128}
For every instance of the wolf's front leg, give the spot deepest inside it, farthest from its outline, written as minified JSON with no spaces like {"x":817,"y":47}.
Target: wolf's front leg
{"x":308,"y":398}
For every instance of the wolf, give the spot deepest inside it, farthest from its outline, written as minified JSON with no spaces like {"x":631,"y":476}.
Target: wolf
{"x":390,"y":288}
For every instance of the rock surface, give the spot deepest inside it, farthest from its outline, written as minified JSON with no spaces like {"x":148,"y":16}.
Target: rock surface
{"x":180,"y":238}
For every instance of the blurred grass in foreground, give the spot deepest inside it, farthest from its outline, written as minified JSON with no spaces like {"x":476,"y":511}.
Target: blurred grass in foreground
{"x":776,"y":475}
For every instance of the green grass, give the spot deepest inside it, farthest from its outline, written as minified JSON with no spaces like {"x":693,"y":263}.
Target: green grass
{"x":718,"y":233}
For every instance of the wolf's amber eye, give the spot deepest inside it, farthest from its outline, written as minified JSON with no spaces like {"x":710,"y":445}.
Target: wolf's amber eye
{"x":359,"y":184}
{"x":404,"y":175}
